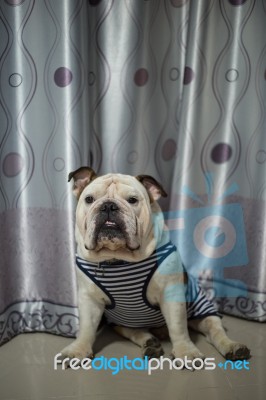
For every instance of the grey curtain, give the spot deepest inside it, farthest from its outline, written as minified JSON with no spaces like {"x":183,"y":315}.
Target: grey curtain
{"x":175,"y":89}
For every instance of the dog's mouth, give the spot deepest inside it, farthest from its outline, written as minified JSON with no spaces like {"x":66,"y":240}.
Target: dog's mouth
{"x":112,"y":234}
{"x":110,"y":226}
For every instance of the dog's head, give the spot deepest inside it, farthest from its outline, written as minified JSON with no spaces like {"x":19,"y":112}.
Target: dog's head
{"x":117,"y":215}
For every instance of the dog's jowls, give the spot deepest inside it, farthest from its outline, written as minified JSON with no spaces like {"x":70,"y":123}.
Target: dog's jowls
{"x":126,"y":266}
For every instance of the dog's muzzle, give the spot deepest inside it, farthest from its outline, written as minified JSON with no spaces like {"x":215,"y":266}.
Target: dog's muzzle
{"x":110,"y":224}
{"x":114,"y":227}
{"x":109,"y":216}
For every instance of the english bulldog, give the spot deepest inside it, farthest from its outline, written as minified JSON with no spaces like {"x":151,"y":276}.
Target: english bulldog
{"x":128,"y":270}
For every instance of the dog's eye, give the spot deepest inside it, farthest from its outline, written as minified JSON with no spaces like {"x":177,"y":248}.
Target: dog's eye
{"x":89,"y":199}
{"x":132,"y":200}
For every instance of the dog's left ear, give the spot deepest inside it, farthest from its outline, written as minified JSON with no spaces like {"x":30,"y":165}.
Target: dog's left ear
{"x":153,"y":187}
{"x":82,"y":177}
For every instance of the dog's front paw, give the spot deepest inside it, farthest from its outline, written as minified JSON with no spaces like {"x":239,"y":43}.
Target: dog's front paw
{"x":152,"y":348}
{"x":187,"y":353}
{"x":75,"y":350}
{"x":236,"y":351}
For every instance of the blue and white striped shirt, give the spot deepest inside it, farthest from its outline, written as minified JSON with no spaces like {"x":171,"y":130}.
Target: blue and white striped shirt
{"x":125,"y":284}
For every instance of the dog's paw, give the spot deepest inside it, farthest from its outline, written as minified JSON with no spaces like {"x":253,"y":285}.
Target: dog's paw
{"x":74,"y":351}
{"x":187,"y":353}
{"x":237,"y":351}
{"x":152,"y":348}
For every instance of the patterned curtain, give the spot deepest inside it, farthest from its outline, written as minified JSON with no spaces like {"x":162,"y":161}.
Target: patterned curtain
{"x":171,"y":88}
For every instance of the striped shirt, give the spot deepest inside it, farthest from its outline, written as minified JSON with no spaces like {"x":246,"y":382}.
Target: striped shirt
{"x":125,"y":284}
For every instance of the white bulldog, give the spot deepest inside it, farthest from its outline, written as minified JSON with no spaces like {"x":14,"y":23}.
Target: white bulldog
{"x":128,"y":269}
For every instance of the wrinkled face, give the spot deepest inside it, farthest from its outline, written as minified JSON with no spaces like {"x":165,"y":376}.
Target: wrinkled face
{"x":114,"y":219}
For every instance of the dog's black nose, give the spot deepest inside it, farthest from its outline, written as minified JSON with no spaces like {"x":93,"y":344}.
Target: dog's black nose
{"x":109,"y":207}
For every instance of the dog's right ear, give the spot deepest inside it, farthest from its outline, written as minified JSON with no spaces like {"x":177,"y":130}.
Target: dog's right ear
{"x":82,"y":177}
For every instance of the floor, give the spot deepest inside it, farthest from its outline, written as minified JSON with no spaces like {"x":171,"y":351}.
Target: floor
{"x":27,"y":371}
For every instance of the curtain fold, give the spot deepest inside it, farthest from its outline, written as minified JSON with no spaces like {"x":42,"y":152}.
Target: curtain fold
{"x":174,"y":89}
